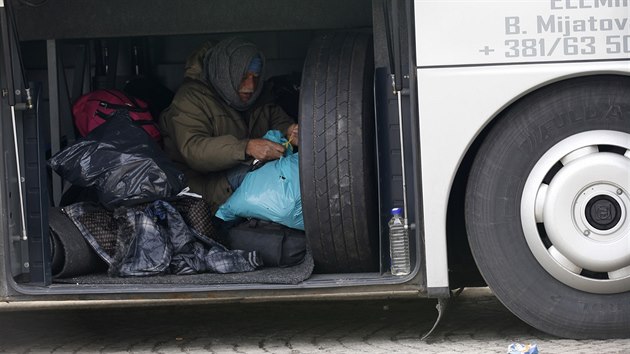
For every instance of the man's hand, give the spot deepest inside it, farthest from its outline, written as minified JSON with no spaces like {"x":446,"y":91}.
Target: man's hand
{"x":292,"y":134}
{"x":264,"y":150}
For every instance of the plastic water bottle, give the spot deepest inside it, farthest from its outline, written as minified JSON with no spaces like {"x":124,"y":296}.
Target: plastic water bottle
{"x":398,"y":244}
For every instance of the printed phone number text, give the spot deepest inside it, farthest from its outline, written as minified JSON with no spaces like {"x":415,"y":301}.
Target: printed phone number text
{"x":542,"y":47}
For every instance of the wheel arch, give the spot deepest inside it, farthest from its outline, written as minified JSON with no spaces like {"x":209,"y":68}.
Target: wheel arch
{"x":461,"y":264}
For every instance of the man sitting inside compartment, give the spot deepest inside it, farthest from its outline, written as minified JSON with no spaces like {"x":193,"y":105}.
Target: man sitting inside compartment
{"x":214,"y":125}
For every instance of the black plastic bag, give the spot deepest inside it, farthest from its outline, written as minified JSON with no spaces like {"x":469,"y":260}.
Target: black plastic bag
{"x":122,"y":162}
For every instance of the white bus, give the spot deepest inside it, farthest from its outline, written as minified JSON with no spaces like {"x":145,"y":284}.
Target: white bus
{"x":502,"y":128}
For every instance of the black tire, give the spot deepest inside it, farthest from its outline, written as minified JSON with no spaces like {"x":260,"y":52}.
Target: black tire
{"x":337,"y":169}
{"x":498,"y":186}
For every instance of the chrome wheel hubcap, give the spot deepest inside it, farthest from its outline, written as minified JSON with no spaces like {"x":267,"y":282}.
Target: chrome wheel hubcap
{"x":574,"y":211}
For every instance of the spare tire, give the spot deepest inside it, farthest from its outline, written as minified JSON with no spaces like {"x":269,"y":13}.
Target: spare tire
{"x":337,"y":153}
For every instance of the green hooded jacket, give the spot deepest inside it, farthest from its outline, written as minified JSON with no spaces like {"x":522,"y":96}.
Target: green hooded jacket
{"x":206,"y":136}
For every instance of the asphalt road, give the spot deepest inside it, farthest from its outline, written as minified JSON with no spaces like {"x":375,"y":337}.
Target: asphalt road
{"x":474,"y":323}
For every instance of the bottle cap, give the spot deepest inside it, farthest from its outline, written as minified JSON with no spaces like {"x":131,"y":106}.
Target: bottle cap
{"x":396,"y":211}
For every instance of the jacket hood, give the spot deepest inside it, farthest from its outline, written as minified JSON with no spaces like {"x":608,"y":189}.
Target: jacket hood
{"x":225,"y":64}
{"x":194,"y":62}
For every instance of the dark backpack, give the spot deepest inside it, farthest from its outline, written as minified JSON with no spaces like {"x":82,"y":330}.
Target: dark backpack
{"x":278,"y":245}
{"x":94,"y":108}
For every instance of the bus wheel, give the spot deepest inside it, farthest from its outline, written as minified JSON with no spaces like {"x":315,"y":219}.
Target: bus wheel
{"x":548,"y":208}
{"x":337,"y":172}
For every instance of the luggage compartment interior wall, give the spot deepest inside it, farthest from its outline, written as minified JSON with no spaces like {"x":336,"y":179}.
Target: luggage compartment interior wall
{"x":162,"y":58}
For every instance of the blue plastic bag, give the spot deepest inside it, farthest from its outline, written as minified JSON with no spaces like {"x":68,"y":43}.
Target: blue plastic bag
{"x":271,"y":192}
{"x":518,"y":348}
{"x":277,"y":137}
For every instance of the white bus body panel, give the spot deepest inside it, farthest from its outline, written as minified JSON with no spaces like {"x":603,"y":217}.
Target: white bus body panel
{"x":474,"y":58}
{"x":517,"y":31}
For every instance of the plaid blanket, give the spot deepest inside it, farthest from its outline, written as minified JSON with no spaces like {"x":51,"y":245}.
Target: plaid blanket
{"x":154,"y":239}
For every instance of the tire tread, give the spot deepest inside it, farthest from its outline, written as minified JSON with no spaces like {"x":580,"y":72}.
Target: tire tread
{"x":337,"y":219}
